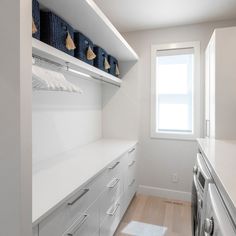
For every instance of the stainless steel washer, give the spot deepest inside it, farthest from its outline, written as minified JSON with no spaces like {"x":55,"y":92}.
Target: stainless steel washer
{"x":217,"y":219}
{"x":201,"y":179}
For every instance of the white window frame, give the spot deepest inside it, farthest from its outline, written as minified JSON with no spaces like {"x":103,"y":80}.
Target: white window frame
{"x":196,"y":92}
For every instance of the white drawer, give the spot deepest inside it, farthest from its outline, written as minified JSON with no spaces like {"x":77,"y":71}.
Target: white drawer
{"x":87,"y":224}
{"x":64,"y":216}
{"x":114,"y":189}
{"x":114,"y":169}
{"x":112,"y":220}
{"x":36,"y":230}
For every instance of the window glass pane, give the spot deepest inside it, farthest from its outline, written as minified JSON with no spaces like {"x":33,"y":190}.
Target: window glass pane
{"x":174,"y":117}
{"x":174,"y":75}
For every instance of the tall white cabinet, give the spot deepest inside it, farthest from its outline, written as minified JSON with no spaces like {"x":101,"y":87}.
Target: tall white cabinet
{"x":220,"y":85}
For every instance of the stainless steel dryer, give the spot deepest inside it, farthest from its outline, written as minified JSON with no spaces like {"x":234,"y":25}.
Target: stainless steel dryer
{"x":201,"y":179}
{"x":217,"y":219}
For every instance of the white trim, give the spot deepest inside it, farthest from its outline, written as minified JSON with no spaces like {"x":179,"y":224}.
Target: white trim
{"x":196,"y":91}
{"x":165,"y":193}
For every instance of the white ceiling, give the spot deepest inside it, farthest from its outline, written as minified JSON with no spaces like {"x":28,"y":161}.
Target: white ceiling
{"x":131,"y":15}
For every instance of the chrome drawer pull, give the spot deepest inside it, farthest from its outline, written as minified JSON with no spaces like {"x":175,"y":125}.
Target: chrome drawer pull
{"x":131,"y":183}
{"x":74,"y":229}
{"x":80,"y":196}
{"x":114,"y":166}
{"x":113,"y":183}
{"x":130,"y":151}
{"x":112,"y":213}
{"x":132,"y":163}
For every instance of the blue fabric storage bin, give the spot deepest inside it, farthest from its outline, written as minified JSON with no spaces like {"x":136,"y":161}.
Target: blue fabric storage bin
{"x":101,"y":54}
{"x":113,"y":62}
{"x":36,"y":18}
{"x":82,"y":43}
{"x":54,"y":31}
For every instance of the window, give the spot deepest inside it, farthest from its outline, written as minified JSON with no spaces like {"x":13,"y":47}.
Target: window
{"x":175,"y":91}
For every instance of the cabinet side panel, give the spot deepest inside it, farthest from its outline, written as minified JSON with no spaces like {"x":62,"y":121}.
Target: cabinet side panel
{"x":225,"y":83}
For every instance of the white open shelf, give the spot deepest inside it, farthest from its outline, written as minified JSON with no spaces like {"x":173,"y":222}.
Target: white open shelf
{"x":86,"y":17}
{"x":48,"y":52}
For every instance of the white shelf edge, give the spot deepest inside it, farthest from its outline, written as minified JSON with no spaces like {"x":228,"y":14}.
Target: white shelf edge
{"x":112,"y":27}
{"x":46,"y":51}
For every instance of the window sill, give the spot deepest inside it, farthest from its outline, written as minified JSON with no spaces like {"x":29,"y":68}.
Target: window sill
{"x":174,"y":136}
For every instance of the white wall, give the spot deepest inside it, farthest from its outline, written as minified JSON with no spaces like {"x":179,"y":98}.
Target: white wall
{"x":62,"y":121}
{"x":126,"y":113}
{"x":15,"y":115}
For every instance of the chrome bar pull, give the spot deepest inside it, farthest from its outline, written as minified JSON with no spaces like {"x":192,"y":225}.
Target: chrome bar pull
{"x":132,"y":150}
{"x":113,"y":183}
{"x":132,"y":163}
{"x":84,"y":191}
{"x":207,"y":128}
{"x":113,"y":212}
{"x":114,"y":166}
{"x":76,"y":226}
{"x":132,"y":182}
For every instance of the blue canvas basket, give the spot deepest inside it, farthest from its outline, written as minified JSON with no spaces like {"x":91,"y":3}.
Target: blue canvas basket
{"x":36,"y":17}
{"x":82,"y":43}
{"x":54,"y":31}
{"x":113,"y":62}
{"x":100,"y":57}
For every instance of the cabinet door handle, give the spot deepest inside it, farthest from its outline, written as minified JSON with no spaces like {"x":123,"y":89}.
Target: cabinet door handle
{"x":113,"y":212}
{"x":114,"y":166}
{"x":77,"y":226}
{"x":80,"y":196}
{"x":132,"y":163}
{"x":113,"y":183}
{"x":132,"y":182}
{"x":208,"y":128}
{"x":130,"y":151}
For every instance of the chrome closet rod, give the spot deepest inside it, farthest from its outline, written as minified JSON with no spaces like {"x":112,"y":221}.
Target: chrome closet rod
{"x":66,"y":68}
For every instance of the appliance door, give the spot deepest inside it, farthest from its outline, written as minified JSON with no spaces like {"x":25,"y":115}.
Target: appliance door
{"x":195,"y":211}
{"x":217,"y":221}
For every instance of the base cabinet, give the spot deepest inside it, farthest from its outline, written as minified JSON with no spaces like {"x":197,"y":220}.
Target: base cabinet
{"x":97,"y":209}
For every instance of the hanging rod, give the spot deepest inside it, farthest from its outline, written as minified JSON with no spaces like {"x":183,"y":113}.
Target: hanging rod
{"x":67,"y":69}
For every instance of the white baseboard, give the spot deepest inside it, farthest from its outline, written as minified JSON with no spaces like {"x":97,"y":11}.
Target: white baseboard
{"x":165,"y":193}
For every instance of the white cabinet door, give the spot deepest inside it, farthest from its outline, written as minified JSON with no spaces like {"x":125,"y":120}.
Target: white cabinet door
{"x":212,"y":81}
{"x":207,"y":92}
{"x":210,"y":88}
{"x":220,"y":84}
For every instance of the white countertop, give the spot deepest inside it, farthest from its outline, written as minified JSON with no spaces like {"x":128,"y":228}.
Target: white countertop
{"x":221,"y":158}
{"x":57,"y":179}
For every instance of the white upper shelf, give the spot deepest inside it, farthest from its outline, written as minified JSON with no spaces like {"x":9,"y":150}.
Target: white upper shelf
{"x":50,"y":53}
{"x":86,"y":17}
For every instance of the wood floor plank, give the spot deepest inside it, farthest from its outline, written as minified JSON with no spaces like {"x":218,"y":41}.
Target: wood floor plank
{"x":175,"y":215}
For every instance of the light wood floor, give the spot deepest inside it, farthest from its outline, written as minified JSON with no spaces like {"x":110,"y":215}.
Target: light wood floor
{"x":174,"y":215}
